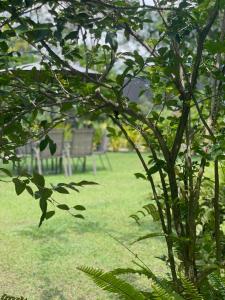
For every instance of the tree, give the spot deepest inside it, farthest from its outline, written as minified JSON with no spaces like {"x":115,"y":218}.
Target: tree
{"x":179,"y":50}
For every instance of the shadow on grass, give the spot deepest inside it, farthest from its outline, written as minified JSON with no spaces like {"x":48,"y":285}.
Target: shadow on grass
{"x":61,"y":231}
{"x":51,"y":292}
{"x":50,"y":233}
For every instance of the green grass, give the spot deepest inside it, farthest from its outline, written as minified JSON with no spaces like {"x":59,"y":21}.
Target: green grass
{"x":40,"y":263}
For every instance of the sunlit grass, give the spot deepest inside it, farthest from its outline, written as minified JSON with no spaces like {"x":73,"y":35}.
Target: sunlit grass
{"x":40,"y":263}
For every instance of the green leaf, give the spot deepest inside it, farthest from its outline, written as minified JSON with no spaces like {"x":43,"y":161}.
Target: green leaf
{"x":38,"y":34}
{"x":129,"y":62}
{"x":45,"y":193}
{"x":140,"y":175}
{"x":85,"y":182}
{"x":38,"y":180}
{"x":147,"y":236}
{"x":44,"y":144}
{"x":49,"y":214}
{"x":37,"y":195}
{"x":73,"y":188}
{"x":43,"y":206}
{"x":61,"y":190}
{"x":29,"y":2}
{"x":79,"y":216}
{"x":139,"y":59}
{"x":52,"y":147}
{"x":3,"y":46}
{"x":120,"y":81}
{"x":215,"y":46}
{"x":63,"y":206}
{"x":29,"y":190}
{"x":111,"y":131}
{"x":66,"y":107}
{"x":7,"y":172}
{"x":19,"y":186}
{"x":22,"y":28}
{"x":69,"y":185}
{"x":153,"y":169}
{"x":73,"y":35}
{"x":79,"y":207}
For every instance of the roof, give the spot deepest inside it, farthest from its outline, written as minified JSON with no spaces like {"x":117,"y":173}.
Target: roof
{"x":137,"y":89}
{"x":39,"y":67}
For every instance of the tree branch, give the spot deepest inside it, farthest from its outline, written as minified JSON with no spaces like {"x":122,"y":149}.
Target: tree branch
{"x":138,"y":116}
{"x":201,"y":39}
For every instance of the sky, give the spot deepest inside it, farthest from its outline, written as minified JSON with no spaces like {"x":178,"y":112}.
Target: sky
{"x":147,"y":2}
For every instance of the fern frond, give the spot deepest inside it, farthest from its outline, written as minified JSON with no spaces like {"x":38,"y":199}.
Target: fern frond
{"x":152,"y":210}
{"x":217,"y":283}
{"x":168,"y":286}
{"x":160,"y":282}
{"x":121,"y":271}
{"x":190,"y":290}
{"x":111,"y":283}
{"x":148,"y":209}
{"x":160,"y":293}
{"x":136,"y":219}
{"x":148,"y":295}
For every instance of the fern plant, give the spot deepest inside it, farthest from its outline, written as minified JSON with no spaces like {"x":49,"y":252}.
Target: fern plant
{"x":108,"y":281}
{"x":160,"y":293}
{"x":112,"y":284}
{"x":190,"y":291}
{"x":160,"y":288}
{"x":146,"y":210}
{"x":217,"y":283}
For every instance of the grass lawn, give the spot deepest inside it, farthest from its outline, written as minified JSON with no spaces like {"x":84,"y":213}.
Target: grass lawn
{"x":40,"y":263}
